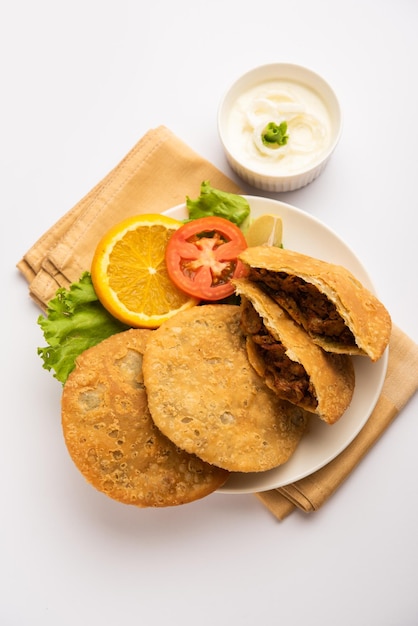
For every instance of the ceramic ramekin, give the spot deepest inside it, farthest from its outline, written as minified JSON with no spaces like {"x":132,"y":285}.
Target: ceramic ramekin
{"x":255,"y":174}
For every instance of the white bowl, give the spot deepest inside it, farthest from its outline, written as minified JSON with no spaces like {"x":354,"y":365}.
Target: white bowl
{"x":321,"y":114}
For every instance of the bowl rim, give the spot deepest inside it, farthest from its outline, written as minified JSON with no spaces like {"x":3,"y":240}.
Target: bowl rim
{"x":295,"y":72}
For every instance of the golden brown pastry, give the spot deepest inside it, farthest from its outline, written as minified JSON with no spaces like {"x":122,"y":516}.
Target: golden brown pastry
{"x":205,"y":396}
{"x":112,"y":439}
{"x":292,"y":365}
{"x":334,"y":308}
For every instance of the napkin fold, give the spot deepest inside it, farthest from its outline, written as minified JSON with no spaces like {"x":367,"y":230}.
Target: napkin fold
{"x":159,"y":172}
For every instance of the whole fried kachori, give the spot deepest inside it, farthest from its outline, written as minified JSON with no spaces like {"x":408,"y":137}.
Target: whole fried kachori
{"x":205,"y":396}
{"x":111,"y":437}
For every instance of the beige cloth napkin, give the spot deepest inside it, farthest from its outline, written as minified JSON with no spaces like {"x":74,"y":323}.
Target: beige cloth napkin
{"x":158,"y":173}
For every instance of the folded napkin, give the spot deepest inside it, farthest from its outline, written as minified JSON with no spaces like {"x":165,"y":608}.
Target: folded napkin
{"x":158,"y":173}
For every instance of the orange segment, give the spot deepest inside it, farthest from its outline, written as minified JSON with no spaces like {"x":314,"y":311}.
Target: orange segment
{"x":129,"y":272}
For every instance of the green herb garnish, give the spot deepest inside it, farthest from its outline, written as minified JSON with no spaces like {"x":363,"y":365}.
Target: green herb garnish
{"x":274,"y":135}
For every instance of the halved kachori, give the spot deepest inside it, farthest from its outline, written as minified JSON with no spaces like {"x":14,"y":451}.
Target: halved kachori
{"x":292,"y":365}
{"x":340,"y":314}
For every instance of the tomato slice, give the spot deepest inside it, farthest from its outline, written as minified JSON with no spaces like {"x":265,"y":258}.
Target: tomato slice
{"x":201,"y":257}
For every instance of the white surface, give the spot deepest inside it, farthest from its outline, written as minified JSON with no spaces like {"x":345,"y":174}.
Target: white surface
{"x":81,"y":83}
{"x":321,"y":444}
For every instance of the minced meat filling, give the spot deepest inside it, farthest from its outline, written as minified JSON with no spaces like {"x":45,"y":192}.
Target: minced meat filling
{"x":305,"y":303}
{"x":291,"y":381}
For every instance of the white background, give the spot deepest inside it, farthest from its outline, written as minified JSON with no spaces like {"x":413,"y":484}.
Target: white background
{"x":81,"y":82}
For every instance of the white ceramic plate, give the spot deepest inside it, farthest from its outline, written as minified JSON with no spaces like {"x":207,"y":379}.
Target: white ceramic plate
{"x":323,"y":442}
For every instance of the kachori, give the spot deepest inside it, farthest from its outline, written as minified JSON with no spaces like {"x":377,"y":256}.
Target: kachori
{"x":205,"y":396}
{"x":111,"y":437}
{"x":340,"y":314}
{"x":292,"y":365}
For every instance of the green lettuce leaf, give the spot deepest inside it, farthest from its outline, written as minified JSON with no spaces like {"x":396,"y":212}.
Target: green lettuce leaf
{"x":75,"y":320}
{"x":213,"y":202}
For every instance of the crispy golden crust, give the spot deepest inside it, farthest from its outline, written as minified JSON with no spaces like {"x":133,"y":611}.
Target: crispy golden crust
{"x":363,"y":313}
{"x":331,"y":375}
{"x":112,"y":439}
{"x":205,"y":396}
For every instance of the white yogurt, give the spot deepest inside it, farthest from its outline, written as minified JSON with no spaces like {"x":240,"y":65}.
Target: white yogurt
{"x":308,"y":127}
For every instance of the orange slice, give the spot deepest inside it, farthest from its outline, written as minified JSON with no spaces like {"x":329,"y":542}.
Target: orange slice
{"x":129,"y":272}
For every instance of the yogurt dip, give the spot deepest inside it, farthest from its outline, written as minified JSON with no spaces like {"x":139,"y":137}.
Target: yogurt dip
{"x":307,"y":126}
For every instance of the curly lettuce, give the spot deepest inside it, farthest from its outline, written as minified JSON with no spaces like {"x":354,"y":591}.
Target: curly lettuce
{"x":75,"y":320}
{"x":213,"y":202}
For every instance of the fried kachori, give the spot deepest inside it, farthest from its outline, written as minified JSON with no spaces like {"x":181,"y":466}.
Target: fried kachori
{"x":292,"y":365}
{"x":112,"y":439}
{"x":204,"y":395}
{"x":339,"y":313}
